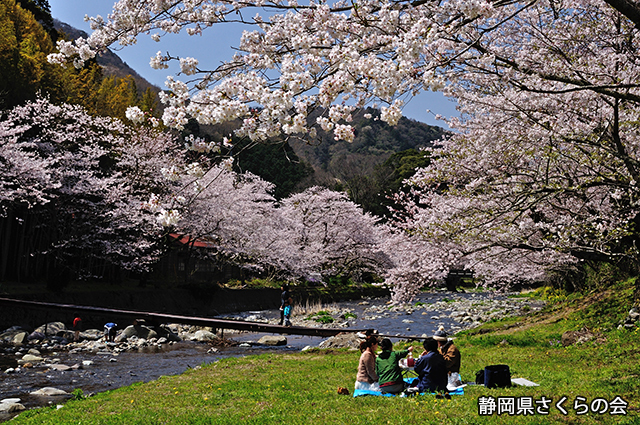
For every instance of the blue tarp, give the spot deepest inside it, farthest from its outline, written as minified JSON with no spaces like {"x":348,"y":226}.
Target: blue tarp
{"x":357,"y":393}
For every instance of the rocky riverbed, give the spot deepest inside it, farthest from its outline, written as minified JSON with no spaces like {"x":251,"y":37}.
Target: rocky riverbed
{"x":43,"y":366}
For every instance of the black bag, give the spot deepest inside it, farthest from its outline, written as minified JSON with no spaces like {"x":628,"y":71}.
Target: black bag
{"x":480,"y":377}
{"x":497,"y":376}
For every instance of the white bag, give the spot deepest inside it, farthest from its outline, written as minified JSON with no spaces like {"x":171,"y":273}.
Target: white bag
{"x":454,"y":380}
{"x":367,"y":386}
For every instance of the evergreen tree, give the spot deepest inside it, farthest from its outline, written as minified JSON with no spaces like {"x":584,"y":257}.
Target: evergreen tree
{"x":24,"y":46}
{"x":276,"y":163}
{"x":42,"y":12}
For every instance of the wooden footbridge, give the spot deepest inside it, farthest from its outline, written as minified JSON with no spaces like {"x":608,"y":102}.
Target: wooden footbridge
{"x":158,"y":318}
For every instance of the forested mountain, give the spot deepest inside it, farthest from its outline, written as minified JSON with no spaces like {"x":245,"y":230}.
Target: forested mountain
{"x":28,"y":34}
{"x":375,"y":141}
{"x":374,"y":165}
{"x":368,"y":169}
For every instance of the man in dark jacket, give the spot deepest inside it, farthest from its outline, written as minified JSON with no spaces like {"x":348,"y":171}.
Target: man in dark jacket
{"x":431,"y":368}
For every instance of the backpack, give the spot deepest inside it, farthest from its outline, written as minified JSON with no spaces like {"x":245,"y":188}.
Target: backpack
{"x":497,"y":376}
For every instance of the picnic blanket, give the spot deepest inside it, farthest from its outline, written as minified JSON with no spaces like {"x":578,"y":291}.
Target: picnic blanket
{"x":358,"y":393}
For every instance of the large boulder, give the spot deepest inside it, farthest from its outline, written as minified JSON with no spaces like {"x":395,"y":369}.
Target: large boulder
{"x":140,"y":331}
{"x":52,"y":329}
{"x":342,"y":340}
{"x":273,"y":340}
{"x":203,"y":335}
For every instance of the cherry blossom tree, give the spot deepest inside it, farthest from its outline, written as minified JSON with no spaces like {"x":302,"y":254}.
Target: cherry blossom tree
{"x":315,"y":232}
{"x":231,"y":212}
{"x":325,"y":233}
{"x":543,"y":169}
{"x":72,"y":186}
{"x":351,"y":52}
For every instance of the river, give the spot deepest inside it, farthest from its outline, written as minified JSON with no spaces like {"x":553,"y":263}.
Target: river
{"x":107,"y":371}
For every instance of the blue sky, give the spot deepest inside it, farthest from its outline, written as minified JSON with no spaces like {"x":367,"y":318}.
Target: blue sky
{"x":213,"y":47}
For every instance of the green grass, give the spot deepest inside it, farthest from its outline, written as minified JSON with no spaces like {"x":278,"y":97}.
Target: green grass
{"x":301,"y":388}
{"x":321,"y":317}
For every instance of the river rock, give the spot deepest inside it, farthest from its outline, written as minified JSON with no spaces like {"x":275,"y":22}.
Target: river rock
{"x":95,"y":346}
{"x":49,"y":391}
{"x":60,"y":367}
{"x":30,"y":358}
{"x":92,"y":334}
{"x":20,"y":338}
{"x":342,"y":340}
{"x":631,"y":321}
{"x":52,"y":328}
{"x":273,"y":340}
{"x":11,"y":405}
{"x":36,"y":336}
{"x":203,"y":335}
{"x":140,"y":331}
{"x":168,"y":335}
{"x":8,"y":334}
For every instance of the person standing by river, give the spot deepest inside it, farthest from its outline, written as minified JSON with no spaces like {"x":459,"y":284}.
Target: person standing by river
{"x":77,"y":327}
{"x":285,"y":306}
{"x":110,"y":331}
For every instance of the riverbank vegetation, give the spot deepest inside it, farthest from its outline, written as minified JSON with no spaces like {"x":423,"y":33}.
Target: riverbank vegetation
{"x":301,"y":388}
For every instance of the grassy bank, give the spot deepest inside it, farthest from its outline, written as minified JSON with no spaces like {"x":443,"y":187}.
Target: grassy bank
{"x":301,"y":388}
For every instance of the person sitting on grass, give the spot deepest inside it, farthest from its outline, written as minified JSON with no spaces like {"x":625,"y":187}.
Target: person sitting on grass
{"x":431,"y":369}
{"x":451,"y":355}
{"x":449,"y":352}
{"x":387,"y":368}
{"x":367,"y":379}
